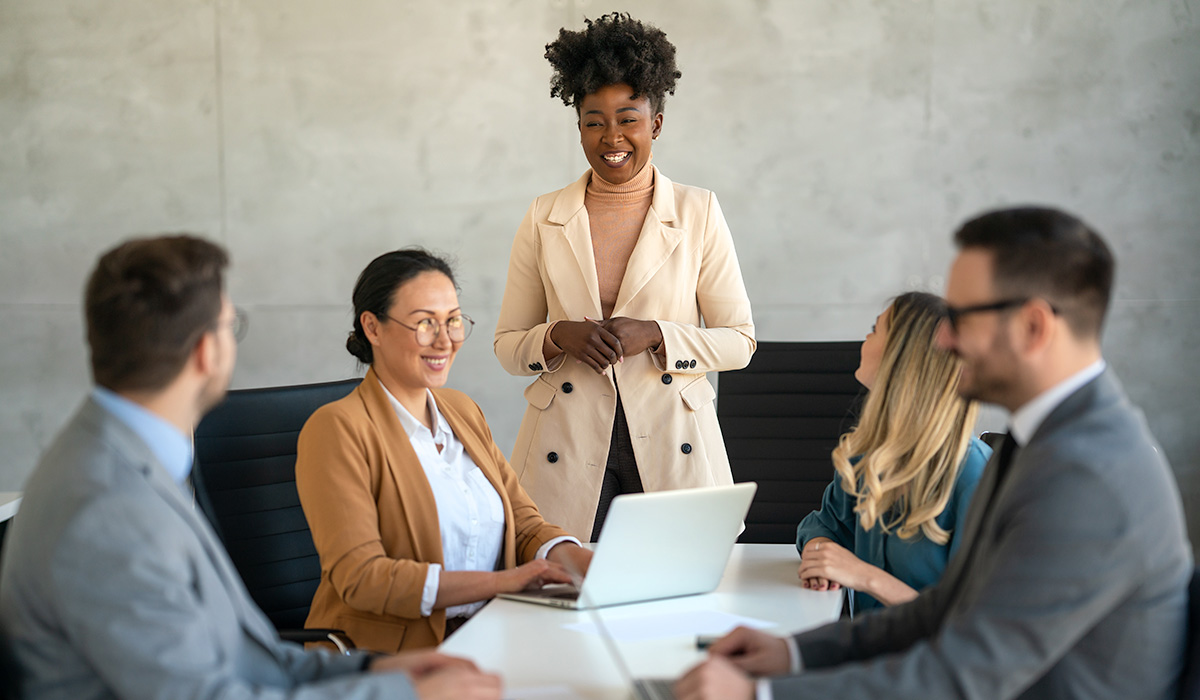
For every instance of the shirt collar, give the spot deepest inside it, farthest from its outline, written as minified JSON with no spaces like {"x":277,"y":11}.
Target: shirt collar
{"x":1028,"y":418}
{"x":172,"y":448}
{"x":412,"y":426}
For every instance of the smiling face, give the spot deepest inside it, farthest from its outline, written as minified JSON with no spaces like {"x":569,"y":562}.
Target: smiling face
{"x":871,"y":353}
{"x":405,"y":367}
{"x":616,"y":131}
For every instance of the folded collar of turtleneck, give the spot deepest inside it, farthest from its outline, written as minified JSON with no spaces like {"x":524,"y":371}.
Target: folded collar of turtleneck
{"x":639,"y":186}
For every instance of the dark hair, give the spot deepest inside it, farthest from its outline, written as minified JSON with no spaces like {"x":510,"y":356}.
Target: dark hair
{"x":613,"y":49}
{"x":1047,"y":253}
{"x":377,"y":285}
{"x":147,"y":304}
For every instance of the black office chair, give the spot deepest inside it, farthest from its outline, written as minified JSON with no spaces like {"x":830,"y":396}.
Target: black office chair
{"x":245,"y":481}
{"x":1189,"y":682}
{"x":781,"y":417}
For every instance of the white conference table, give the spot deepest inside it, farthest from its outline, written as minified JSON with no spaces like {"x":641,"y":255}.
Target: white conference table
{"x":10,"y":502}
{"x":530,"y":647}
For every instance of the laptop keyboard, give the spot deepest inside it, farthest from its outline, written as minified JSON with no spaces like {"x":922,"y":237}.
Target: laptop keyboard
{"x":653,"y":688}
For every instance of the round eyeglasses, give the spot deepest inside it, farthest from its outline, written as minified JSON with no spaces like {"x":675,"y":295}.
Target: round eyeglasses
{"x":427,"y":330}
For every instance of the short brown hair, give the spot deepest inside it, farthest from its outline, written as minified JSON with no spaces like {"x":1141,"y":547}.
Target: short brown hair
{"x":1047,"y":253}
{"x":147,"y":304}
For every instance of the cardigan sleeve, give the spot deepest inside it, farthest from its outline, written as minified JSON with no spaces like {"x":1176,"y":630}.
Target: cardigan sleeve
{"x":835,"y":518}
{"x":337,"y":473}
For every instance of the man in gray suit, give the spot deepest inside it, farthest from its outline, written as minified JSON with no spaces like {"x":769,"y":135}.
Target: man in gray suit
{"x":112,"y":584}
{"x":1071,"y":581}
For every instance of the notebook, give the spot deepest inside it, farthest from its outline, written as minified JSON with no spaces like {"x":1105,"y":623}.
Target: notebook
{"x":664,"y":544}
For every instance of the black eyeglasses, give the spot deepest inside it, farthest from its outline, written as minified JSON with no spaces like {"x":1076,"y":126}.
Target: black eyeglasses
{"x":955,"y":313}
{"x":427,"y":330}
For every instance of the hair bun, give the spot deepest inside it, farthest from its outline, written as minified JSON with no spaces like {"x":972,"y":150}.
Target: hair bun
{"x":360,"y":348}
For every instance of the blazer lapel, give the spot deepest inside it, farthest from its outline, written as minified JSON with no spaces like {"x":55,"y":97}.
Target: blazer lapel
{"x":420,"y":508}
{"x":567,"y":244}
{"x":473,"y":442}
{"x":658,"y":239}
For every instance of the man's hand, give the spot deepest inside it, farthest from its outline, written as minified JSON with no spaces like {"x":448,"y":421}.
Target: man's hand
{"x":715,"y":679}
{"x":419,"y":663}
{"x":756,"y":653}
{"x":458,"y":683}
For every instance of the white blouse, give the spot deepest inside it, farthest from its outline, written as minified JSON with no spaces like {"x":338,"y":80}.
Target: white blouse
{"x":470,"y":512}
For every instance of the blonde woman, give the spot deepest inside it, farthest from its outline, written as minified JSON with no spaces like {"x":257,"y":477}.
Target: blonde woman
{"x":891,"y":519}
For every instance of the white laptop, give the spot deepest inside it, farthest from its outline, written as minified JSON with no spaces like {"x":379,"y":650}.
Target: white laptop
{"x":657,"y":545}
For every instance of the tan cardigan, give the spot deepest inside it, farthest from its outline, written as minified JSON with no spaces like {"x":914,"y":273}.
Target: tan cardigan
{"x":684,"y":274}
{"x":374,"y":519}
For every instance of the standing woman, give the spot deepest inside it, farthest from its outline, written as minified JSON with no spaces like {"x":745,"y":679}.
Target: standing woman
{"x":416,"y":515}
{"x":609,"y":283}
{"x":892,"y":516}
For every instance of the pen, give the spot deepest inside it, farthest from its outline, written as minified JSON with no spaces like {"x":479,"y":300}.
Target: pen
{"x":704,"y":641}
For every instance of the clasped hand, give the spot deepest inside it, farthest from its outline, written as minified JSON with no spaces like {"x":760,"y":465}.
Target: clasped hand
{"x":602,"y":344}
{"x":827,"y":566}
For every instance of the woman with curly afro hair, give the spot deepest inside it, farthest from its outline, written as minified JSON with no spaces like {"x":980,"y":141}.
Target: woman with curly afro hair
{"x":623,"y":290}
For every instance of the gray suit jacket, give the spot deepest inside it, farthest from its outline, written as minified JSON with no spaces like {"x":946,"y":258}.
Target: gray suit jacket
{"x":112,"y":585}
{"x":1072,"y":585}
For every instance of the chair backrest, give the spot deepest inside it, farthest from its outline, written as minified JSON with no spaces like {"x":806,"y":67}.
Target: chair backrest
{"x":1189,"y":682}
{"x":245,"y":480}
{"x":781,"y":417}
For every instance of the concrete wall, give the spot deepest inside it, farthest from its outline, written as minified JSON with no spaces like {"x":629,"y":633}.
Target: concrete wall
{"x":845,"y":138}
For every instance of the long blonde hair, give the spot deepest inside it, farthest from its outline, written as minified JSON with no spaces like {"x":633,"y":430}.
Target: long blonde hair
{"x":914,"y":429}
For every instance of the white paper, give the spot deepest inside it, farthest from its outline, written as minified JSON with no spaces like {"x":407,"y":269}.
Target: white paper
{"x":683,"y":623}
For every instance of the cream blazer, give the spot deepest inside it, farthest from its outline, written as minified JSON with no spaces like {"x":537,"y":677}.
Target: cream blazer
{"x":682,"y":272}
{"x":374,"y":519}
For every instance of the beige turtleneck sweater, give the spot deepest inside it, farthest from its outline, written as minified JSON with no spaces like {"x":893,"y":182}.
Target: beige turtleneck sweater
{"x":616,"y":214}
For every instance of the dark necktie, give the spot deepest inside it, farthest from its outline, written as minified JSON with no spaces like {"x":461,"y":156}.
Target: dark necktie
{"x":1007,"y":448}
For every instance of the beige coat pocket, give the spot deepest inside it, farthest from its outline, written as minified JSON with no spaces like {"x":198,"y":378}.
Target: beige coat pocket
{"x":540,"y":393}
{"x":698,"y":394}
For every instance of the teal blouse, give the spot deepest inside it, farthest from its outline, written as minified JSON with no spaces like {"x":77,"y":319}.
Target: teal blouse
{"x":917,"y":562}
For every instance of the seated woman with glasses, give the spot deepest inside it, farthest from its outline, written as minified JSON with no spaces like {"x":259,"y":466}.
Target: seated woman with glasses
{"x":892,"y":517}
{"x":416,"y":515}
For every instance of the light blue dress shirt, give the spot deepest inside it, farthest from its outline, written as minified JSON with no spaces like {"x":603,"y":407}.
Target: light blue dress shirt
{"x":172,"y":448}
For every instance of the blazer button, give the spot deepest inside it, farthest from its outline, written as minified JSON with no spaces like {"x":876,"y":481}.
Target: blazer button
{"x":666,"y":379}
{"x":678,"y":364}
{"x":552,"y":457}
{"x":692,"y":365}
{"x":568,"y":388}
{"x":686,"y":448}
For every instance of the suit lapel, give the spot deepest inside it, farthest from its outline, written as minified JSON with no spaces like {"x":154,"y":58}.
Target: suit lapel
{"x":567,"y":244}
{"x":657,"y":240}
{"x":249,"y":616}
{"x":981,"y":518}
{"x":420,"y":508}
